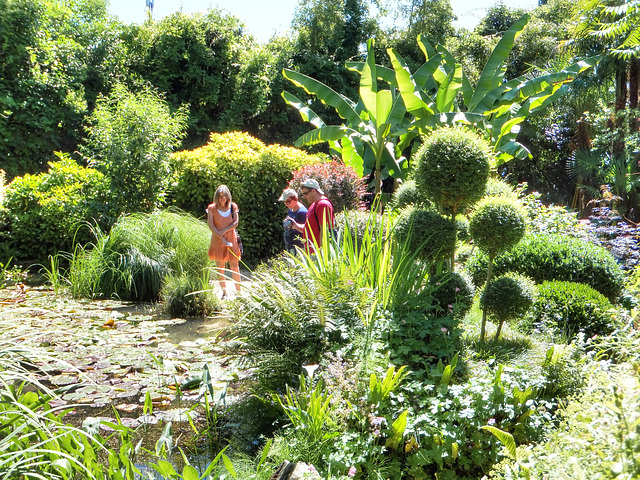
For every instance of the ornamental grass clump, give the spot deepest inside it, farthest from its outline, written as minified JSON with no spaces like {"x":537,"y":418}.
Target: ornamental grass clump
{"x":507,"y":298}
{"x":495,"y":226}
{"x":140,"y":251}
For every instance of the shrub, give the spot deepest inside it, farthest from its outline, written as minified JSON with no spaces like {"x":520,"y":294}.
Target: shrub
{"x":255,"y":174}
{"x":555,"y":257}
{"x":499,"y":188}
{"x":140,"y":251}
{"x":496,"y":225}
{"x":453,"y":292}
{"x":452,"y":168}
{"x":281,"y":325}
{"x":507,"y":297}
{"x":409,"y":194}
{"x":130,"y":138}
{"x":341,"y":184}
{"x":178,"y":291}
{"x":44,"y":213}
{"x":358,"y":222}
{"x":569,"y":307}
{"x":426,"y":232}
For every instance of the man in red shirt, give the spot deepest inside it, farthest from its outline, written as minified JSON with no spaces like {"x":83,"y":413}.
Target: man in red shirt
{"x":320,"y":211}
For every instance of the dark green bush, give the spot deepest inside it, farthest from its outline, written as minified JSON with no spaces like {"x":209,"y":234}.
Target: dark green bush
{"x":426,"y":232}
{"x":46,"y":213}
{"x":453,"y":293}
{"x":499,"y":188}
{"x":409,"y":194}
{"x":452,"y":168}
{"x":256,"y":175}
{"x":555,"y":257}
{"x":508,"y":297}
{"x":497,"y":224}
{"x":340,"y":184}
{"x":569,"y":307}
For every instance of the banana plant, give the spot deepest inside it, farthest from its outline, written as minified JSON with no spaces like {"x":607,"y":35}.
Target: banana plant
{"x":440,"y":93}
{"x":375,"y":130}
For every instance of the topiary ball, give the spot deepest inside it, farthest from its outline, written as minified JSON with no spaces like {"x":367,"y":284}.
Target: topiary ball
{"x":428,"y":233}
{"x":508,"y":296}
{"x":452,"y":168}
{"x":409,"y":194}
{"x":453,"y":292}
{"x":497,"y":187}
{"x":497,"y":224}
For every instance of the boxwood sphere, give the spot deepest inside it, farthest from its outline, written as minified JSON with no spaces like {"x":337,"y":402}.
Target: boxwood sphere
{"x":427,"y":232}
{"x":509,"y":296}
{"x":409,"y":194}
{"x":452,"y":167}
{"x":497,"y":224}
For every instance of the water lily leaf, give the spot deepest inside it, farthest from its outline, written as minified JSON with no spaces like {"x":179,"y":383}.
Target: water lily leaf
{"x":61,"y":380}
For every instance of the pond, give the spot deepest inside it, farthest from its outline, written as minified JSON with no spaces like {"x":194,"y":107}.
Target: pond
{"x":108,"y":355}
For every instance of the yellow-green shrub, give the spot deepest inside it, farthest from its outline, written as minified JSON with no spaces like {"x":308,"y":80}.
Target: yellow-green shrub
{"x":255,"y":173}
{"x":43,"y":213}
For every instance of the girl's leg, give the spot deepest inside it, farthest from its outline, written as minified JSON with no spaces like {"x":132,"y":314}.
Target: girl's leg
{"x":221,"y":278}
{"x":235,"y":268}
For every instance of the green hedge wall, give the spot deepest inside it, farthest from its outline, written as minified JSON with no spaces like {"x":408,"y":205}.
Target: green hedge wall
{"x":255,"y":173}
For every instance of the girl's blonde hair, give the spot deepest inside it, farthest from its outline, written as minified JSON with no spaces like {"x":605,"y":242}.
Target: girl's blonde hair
{"x":222,"y":189}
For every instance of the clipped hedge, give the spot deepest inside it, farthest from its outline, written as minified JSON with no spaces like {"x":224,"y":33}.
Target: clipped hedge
{"x":555,"y":257}
{"x":43,"y":214}
{"x":569,"y":308}
{"x":255,"y":173}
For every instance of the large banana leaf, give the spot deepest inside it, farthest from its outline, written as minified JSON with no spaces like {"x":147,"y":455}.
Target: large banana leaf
{"x":493,"y":72}
{"x":327,"y":95}
{"x":325,"y":134}
{"x":408,"y":89}
{"x":306,"y":113}
{"x":449,"y":89}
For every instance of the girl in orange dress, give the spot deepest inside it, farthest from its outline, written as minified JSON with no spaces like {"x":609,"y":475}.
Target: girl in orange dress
{"x":222,"y":217}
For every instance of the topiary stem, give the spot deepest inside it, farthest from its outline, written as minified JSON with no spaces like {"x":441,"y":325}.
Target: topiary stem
{"x":484,"y":309}
{"x":495,"y":339}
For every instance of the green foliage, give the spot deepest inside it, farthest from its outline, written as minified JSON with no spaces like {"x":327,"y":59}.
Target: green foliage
{"x":255,"y":174}
{"x":197,"y":60}
{"x":452,"y":168}
{"x":130,"y":138}
{"x":422,"y":331}
{"x":282,"y":325}
{"x":496,"y":225}
{"x":555,"y":257}
{"x":508,"y":297}
{"x":375,"y":130}
{"x":567,"y":308}
{"x":499,"y":188}
{"x":140,"y":251}
{"x":407,"y":194}
{"x":563,"y":369}
{"x":597,"y":436}
{"x":426,"y":232}
{"x":454,"y":291}
{"x":48,"y":213}
{"x":340,"y":184}
{"x":360,"y":224}
{"x":186,"y":295}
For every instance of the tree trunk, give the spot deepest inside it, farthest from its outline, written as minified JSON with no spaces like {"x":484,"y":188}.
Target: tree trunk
{"x":634,"y":85}
{"x":621,"y":104}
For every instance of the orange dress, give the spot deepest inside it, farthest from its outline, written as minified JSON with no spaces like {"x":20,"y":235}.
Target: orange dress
{"x":217,"y":251}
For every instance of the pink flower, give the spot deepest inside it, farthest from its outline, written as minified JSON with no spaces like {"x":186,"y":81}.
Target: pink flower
{"x":457,"y":289}
{"x":443,"y":329}
{"x":352,"y":472}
